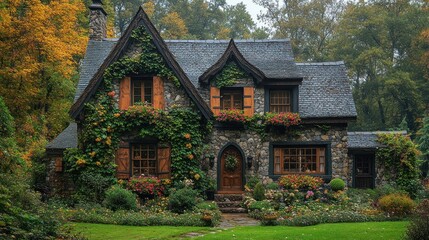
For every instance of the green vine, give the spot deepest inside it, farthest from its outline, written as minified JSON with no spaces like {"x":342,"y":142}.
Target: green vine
{"x":149,"y":61}
{"x":229,"y":75}
{"x":104,"y":123}
{"x":400,"y":159}
{"x":231,"y":163}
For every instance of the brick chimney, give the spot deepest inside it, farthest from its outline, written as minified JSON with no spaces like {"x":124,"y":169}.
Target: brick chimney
{"x":97,"y":21}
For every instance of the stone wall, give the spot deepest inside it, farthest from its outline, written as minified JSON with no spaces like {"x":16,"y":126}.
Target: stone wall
{"x":252,"y":145}
{"x":58,"y":183}
{"x":97,"y":24}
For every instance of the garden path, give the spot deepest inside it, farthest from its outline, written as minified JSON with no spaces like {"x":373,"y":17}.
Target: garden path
{"x":230,"y":220}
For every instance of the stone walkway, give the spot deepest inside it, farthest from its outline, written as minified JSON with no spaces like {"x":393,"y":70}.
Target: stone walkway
{"x":228,"y":220}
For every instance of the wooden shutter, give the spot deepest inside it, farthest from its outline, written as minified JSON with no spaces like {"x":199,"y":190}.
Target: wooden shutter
{"x":123,"y":161}
{"x":58,"y":164}
{"x":215,"y":100}
{"x":164,"y":162}
{"x":158,"y":93}
{"x":248,"y":102}
{"x":125,"y":93}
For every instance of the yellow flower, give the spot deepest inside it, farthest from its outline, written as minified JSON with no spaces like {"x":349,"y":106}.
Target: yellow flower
{"x":191,"y":156}
{"x":92,"y":154}
{"x":108,"y":141}
{"x":98,"y":163}
{"x":117,"y":114}
{"x":197,"y":176}
{"x":187,"y":136}
{"x":189,"y":146}
{"x":98,"y":139}
{"x":80,"y":162}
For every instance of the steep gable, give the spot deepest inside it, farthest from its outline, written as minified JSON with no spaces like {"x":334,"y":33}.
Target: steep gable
{"x":141,"y":19}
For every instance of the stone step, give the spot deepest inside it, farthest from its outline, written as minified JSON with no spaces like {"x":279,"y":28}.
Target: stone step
{"x":229,"y":197}
{"x":233,"y":210}
{"x":231,"y":204}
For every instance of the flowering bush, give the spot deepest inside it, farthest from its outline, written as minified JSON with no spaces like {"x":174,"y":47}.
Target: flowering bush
{"x":233,"y":115}
{"x":396,"y":204}
{"x":146,"y":187}
{"x":282,"y":119}
{"x":300,"y":182}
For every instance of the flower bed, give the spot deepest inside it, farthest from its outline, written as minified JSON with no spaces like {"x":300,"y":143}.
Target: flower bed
{"x":300,"y":182}
{"x":231,"y":116}
{"x":147,"y":187}
{"x":282,"y":119}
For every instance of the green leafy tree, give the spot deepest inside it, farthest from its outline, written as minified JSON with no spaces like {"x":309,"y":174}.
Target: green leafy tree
{"x":423,"y":143}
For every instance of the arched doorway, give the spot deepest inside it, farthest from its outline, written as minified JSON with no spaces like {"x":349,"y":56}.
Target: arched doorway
{"x":231,"y":170}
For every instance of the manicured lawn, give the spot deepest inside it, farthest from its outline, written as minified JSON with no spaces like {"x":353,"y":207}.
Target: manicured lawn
{"x":118,"y":232}
{"x":365,"y":231}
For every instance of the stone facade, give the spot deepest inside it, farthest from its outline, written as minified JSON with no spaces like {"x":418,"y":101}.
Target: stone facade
{"x":252,"y":145}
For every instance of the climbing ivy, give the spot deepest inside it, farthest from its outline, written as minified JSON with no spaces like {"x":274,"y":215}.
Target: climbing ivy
{"x":400,"y":160}
{"x":229,"y":75}
{"x":104,"y":123}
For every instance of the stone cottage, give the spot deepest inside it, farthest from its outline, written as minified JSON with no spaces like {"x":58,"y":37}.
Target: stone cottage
{"x":269,"y":81}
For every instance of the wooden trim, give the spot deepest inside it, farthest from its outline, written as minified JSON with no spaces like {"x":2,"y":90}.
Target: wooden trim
{"x":215,"y":99}
{"x":125,"y":93}
{"x":248,"y":102}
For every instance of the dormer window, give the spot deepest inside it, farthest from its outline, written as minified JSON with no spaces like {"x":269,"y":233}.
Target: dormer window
{"x":231,"y":98}
{"x":280,"y":101}
{"x":142,"y":90}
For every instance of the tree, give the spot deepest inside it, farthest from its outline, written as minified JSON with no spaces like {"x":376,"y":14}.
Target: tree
{"x":41,"y":44}
{"x":173,"y":27}
{"x":239,"y":21}
{"x":423,"y":143}
{"x":309,"y":24}
{"x":376,"y":41}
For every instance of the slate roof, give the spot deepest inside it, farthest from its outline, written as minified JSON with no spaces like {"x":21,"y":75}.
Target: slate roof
{"x":66,"y":139}
{"x":366,"y":140}
{"x":273,"y":57}
{"x":96,"y":52}
{"x":325,"y":91}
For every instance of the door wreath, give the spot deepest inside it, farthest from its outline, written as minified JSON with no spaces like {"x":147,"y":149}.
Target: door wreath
{"x":231,"y":163}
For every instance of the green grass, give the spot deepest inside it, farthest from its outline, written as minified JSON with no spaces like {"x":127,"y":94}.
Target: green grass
{"x":364,"y":231}
{"x":119,"y":232}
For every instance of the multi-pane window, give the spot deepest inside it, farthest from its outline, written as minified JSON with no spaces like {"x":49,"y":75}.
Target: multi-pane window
{"x":280,"y":101}
{"x":143,"y":159}
{"x":310,"y":160}
{"x":142,"y":90}
{"x":231,"y":98}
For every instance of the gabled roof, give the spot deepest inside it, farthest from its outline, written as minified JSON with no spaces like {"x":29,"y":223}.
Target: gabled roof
{"x":367,"y":140}
{"x":272,"y":57}
{"x":325,"y":91}
{"x":141,"y":18}
{"x":232,"y":54}
{"x":66,"y":139}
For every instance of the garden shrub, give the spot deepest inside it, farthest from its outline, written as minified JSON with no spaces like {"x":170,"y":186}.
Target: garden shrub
{"x":396,"y":204}
{"x":300,"y":182}
{"x":118,"y":198}
{"x":337,"y":184}
{"x":259,"y":192}
{"x":419,"y":226}
{"x":272,"y":186}
{"x":256,"y":208}
{"x":252,"y":180}
{"x":182,"y":200}
{"x":92,"y":186}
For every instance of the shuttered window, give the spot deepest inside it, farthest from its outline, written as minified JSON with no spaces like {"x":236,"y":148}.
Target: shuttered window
{"x":148,"y":90}
{"x":231,"y":98}
{"x":142,"y":90}
{"x":150,"y":160}
{"x":293,"y":160}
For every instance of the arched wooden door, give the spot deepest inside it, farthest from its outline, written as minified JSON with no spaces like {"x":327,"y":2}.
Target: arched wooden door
{"x":231,"y":178}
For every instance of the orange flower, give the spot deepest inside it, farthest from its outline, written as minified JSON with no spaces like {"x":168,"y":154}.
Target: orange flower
{"x":188,"y":145}
{"x":92,"y":154}
{"x":80,"y":162}
{"x":111,"y":94}
{"x":108,"y":141}
{"x":116,"y":115}
{"x":187,"y":136}
{"x":98,"y":139}
{"x":98,"y":163}
{"x":191,"y":156}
